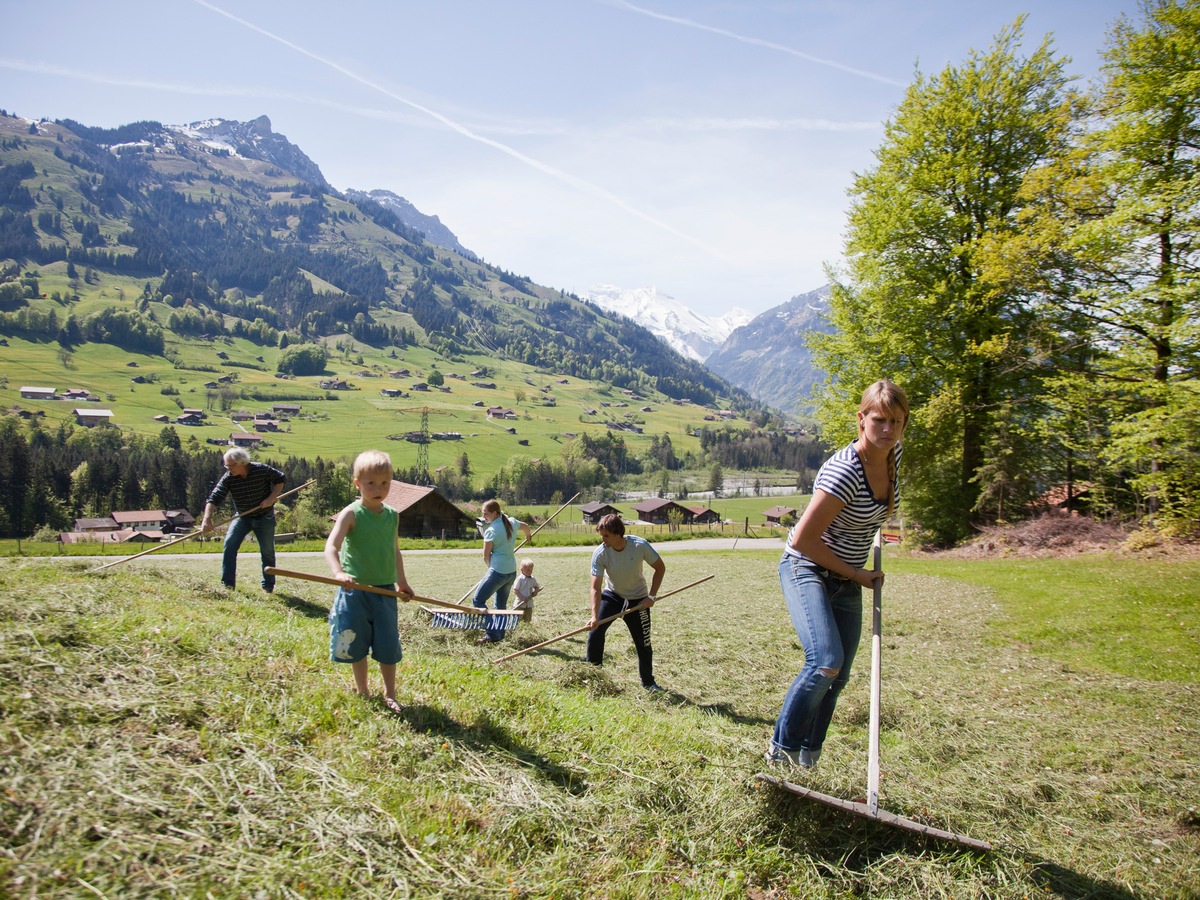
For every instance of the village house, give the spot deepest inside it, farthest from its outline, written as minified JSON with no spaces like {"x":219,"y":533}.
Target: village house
{"x":38,"y":393}
{"x":245,"y":439}
{"x":188,"y":418}
{"x":424,"y":513}
{"x":703,"y":515}
{"x":90,"y":417}
{"x":76,"y":394}
{"x":159,"y":521}
{"x":775,"y":514}
{"x":283,"y":410}
{"x":658,"y":510}
{"x":85,"y":526}
{"x":499,"y":412}
{"x":333,"y":384}
{"x":596,"y":510}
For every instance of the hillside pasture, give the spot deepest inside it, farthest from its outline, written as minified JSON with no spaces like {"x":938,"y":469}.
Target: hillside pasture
{"x":162,"y":736}
{"x":335,"y":424}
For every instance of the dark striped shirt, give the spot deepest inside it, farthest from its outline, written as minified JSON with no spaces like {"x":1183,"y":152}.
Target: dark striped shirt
{"x":250,"y":491}
{"x":852,"y":530}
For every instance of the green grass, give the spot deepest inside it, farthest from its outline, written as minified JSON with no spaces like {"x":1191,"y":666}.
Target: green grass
{"x":321,"y":431}
{"x":163,"y":738}
{"x":1141,"y":620}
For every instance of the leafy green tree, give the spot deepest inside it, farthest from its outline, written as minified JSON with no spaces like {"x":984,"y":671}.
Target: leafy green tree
{"x":913,"y":307}
{"x":716,"y":480}
{"x":303,"y":359}
{"x":1110,"y":248}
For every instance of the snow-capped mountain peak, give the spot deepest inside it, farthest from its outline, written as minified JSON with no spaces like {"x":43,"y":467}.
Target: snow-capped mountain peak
{"x":693,"y":335}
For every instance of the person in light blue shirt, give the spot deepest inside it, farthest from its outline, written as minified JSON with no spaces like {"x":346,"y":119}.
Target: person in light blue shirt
{"x":499,"y":555}
{"x":617,"y":585}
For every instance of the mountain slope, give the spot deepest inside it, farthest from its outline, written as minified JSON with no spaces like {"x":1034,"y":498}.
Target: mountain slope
{"x":236,"y":229}
{"x":686,"y":332}
{"x":769,"y":357}
{"x":430,"y":226}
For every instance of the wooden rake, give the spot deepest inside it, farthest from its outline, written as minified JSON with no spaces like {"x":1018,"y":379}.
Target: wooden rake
{"x":528,"y":539}
{"x":355,"y":586}
{"x":870,"y":809}
{"x":639,"y":607}
{"x":196,"y":533}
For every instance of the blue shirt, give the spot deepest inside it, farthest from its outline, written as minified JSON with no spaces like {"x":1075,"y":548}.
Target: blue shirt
{"x":504,"y":557}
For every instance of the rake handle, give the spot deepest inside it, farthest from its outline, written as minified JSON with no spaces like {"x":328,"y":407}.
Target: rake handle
{"x":876,"y":680}
{"x":196,"y":533}
{"x":356,"y":586}
{"x":530,"y":538}
{"x":639,"y":607}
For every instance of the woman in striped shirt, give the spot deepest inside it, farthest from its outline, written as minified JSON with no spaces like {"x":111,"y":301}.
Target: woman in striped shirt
{"x":822,"y":570}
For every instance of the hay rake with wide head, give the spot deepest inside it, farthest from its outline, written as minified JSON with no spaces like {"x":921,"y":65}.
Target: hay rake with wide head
{"x":870,"y":809}
{"x":494,"y":621}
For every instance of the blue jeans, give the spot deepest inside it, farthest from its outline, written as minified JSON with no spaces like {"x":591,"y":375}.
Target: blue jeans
{"x":827,"y":614}
{"x":500,"y":584}
{"x":264,"y":532}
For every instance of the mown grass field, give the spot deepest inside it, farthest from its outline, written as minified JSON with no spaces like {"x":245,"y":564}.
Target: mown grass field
{"x":161,"y":738}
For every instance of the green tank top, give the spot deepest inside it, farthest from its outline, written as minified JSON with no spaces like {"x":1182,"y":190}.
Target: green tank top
{"x":369,"y":550}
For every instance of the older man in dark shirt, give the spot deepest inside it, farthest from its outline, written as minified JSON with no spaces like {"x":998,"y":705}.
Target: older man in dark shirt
{"x":254,"y":487}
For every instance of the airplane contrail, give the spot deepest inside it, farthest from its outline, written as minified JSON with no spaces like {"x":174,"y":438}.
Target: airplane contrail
{"x":565,"y":177}
{"x":760,"y":42}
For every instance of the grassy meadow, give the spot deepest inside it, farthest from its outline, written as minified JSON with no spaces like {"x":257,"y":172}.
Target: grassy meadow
{"x":328,"y":417}
{"x":162,"y":737}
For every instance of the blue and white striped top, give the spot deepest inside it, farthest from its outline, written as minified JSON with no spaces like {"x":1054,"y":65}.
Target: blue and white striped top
{"x":852,"y":530}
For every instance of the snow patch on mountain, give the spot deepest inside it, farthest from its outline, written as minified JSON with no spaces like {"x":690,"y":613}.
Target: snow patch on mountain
{"x":689,"y":333}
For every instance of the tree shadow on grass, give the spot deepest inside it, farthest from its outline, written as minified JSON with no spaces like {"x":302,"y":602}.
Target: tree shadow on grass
{"x":488,"y":735}
{"x":858,"y":844}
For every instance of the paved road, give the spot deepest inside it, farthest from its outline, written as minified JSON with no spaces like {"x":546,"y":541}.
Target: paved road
{"x":664,"y":547}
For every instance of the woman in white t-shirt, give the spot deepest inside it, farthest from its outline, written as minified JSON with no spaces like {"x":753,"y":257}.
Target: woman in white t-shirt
{"x":822,"y":572}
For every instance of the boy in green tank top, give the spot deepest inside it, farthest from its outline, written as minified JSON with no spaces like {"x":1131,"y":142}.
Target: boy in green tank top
{"x":363,"y":548}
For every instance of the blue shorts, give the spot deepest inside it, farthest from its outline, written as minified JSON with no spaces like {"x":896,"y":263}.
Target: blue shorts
{"x":362,"y":622}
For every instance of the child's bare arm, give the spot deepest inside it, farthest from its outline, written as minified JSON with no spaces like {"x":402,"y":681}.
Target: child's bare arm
{"x":401,"y":580}
{"x":333,"y":544}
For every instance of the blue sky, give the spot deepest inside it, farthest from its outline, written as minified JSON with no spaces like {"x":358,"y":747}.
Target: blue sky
{"x":703,"y":147}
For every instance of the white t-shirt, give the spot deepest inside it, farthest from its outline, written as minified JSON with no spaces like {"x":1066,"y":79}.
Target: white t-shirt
{"x":623,"y":571}
{"x":524,"y":587}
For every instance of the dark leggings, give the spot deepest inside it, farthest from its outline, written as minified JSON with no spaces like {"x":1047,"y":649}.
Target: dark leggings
{"x":639,"y":629}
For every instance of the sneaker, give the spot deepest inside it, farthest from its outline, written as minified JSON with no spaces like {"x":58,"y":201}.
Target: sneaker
{"x":652,"y":688}
{"x":801,"y":759}
{"x":269,"y":590}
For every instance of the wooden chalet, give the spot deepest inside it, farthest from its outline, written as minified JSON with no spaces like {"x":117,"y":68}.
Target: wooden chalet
{"x":597,"y":510}
{"x":775,"y":514}
{"x":424,"y":513}
{"x":657,"y":511}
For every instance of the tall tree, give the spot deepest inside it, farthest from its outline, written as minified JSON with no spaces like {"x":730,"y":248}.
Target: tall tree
{"x":911,"y":305}
{"x":1110,"y":246}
